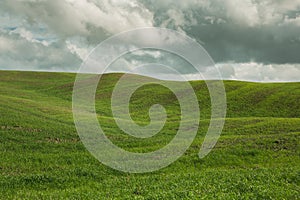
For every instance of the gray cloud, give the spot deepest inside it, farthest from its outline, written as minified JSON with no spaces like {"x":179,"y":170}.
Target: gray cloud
{"x":23,"y":54}
{"x":59,"y":34}
{"x":234,"y":30}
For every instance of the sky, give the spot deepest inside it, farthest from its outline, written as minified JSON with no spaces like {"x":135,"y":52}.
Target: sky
{"x":252,"y":40}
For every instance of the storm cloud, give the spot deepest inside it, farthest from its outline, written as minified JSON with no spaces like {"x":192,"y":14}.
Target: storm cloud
{"x":250,"y":40}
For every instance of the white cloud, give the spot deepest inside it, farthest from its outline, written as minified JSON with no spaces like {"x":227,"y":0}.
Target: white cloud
{"x":292,"y":21}
{"x":62,"y":21}
{"x":244,"y":12}
{"x":73,"y":17}
{"x":253,"y":71}
{"x":59,"y":34}
{"x":82,"y":53}
{"x":29,"y":36}
{"x":6,"y":45}
{"x":20,"y":54}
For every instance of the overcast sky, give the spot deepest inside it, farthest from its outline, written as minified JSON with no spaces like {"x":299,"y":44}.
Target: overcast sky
{"x":257,"y":40}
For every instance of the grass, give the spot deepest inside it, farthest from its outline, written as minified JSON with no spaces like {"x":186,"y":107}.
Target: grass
{"x":42,"y":157}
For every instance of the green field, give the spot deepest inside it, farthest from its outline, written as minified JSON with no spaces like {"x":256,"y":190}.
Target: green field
{"x":42,"y":157}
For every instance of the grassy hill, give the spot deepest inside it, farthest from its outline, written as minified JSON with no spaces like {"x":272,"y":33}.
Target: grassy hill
{"x":42,"y":157}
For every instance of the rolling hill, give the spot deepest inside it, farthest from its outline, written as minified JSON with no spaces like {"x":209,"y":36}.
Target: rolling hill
{"x":257,"y":156}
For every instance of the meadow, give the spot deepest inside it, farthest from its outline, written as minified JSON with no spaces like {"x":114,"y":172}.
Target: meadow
{"x":42,"y":157}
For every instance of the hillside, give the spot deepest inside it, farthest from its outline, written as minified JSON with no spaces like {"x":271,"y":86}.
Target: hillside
{"x":41,"y":156}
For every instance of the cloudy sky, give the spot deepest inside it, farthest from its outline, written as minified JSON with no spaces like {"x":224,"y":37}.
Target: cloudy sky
{"x":257,"y":40}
